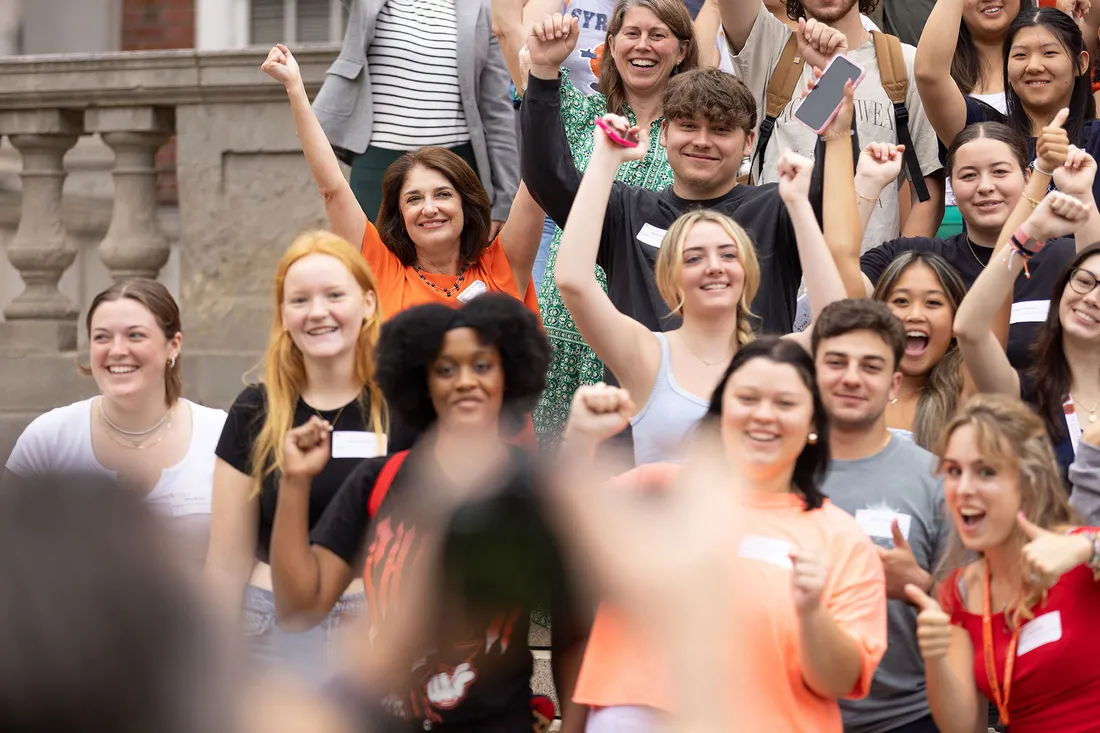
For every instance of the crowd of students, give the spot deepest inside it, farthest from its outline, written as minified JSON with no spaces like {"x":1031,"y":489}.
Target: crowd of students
{"x":781,"y":431}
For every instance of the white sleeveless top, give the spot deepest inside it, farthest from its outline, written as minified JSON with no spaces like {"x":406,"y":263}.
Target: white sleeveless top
{"x":662,"y":427}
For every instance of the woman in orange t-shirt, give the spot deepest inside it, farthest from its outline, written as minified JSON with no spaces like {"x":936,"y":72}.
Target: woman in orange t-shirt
{"x":809,"y":600}
{"x":439,"y":241}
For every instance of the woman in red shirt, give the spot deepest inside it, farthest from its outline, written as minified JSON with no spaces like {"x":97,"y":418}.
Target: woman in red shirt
{"x":1018,"y":624}
{"x":435,"y":241}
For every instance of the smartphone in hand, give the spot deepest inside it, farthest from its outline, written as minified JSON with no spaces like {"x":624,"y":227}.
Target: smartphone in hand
{"x":821,"y":105}
{"x":629,"y":141}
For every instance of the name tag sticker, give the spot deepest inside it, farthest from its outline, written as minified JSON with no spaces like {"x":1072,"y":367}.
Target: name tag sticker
{"x":186,"y":504}
{"x":1040,"y":631}
{"x":356,"y":444}
{"x":876,"y":522}
{"x":1029,"y":311}
{"x":651,"y":235}
{"x":472,"y":290}
{"x":766,"y":549}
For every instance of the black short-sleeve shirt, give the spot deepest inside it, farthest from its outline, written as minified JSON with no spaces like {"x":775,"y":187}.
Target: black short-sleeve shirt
{"x":476,"y":675}
{"x":1030,"y":297}
{"x":242,"y":428}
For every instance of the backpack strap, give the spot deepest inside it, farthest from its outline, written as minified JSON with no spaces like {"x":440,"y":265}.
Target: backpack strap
{"x":895,"y":81}
{"x":385,"y":479}
{"x":778,"y":95}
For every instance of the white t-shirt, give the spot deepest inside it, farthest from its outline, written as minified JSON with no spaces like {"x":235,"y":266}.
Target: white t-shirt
{"x":584,"y":63}
{"x":874,"y":114}
{"x":60,"y":441}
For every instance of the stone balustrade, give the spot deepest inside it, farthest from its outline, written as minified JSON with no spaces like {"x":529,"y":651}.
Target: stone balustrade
{"x":244,"y":192}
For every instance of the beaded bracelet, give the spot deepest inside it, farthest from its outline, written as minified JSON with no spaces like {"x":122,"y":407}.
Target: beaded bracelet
{"x":1021,"y":244}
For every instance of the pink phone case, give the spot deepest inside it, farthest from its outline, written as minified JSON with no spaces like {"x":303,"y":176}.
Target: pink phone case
{"x":855,"y":84}
{"x":626,"y":142}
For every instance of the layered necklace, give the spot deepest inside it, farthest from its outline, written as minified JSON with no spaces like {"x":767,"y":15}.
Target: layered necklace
{"x":447,"y":292}
{"x":136,"y":439}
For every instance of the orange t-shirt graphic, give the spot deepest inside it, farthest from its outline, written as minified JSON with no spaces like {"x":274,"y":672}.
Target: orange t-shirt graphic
{"x":401,"y":287}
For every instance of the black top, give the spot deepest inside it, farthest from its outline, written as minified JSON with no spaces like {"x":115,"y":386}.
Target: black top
{"x":1062,"y":443}
{"x":1030,"y":297}
{"x":242,"y":427}
{"x":637,"y":219}
{"x":500,"y":560}
{"x":977,"y":111}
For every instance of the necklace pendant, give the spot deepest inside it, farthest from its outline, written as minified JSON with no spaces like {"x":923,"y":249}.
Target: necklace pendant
{"x":1092,"y":418}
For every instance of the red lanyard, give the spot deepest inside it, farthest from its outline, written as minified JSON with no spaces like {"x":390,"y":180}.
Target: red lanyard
{"x":987,"y":649}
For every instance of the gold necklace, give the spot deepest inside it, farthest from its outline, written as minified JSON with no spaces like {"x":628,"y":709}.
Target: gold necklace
{"x":707,"y":363}
{"x":970,"y":247}
{"x":918,"y":390}
{"x":1091,"y":412}
{"x":138,"y":445}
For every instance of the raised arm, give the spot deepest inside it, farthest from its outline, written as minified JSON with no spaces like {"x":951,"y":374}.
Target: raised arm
{"x":345,"y":215}
{"x":707,"y":23}
{"x":234,"y":517}
{"x":944,"y":102}
{"x":307,"y":579}
{"x":840,"y":217}
{"x":547,"y":161}
{"x":627,"y":347}
{"x":1075,"y":177}
{"x":879,"y":166}
{"x":521,"y":235}
{"x":738,"y":18}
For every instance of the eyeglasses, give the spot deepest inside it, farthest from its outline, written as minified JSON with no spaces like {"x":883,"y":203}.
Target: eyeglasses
{"x":1082,"y":281}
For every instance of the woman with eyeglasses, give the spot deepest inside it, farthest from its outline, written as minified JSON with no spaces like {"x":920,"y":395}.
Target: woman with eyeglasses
{"x":1063,"y":383}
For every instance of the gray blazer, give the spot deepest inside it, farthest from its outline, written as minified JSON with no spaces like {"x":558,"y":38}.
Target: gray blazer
{"x":343,"y":105}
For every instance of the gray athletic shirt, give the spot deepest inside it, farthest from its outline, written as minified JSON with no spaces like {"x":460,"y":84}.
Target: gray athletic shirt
{"x":898,"y":480}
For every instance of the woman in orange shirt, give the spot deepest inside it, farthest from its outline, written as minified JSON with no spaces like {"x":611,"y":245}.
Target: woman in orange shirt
{"x":809,"y":612}
{"x":435,"y":240}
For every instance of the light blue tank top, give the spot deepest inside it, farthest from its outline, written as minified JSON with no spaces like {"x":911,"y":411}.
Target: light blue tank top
{"x":662,"y":427}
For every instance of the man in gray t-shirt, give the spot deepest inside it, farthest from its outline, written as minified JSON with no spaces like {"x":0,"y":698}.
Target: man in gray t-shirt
{"x":887,"y":483}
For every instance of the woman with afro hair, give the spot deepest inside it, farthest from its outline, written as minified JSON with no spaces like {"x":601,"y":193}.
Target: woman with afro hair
{"x":463,"y":506}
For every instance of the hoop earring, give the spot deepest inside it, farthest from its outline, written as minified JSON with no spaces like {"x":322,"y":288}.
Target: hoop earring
{"x":172,"y":363}
{"x":811,"y":439}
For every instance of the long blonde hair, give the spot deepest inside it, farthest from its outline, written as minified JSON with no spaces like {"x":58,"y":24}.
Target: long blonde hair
{"x":1011,"y":436}
{"x":284,"y":367}
{"x":670,"y":261}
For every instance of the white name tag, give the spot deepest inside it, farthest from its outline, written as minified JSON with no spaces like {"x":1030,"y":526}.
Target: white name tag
{"x":1029,"y":311}
{"x":186,"y":504}
{"x":357,"y":444}
{"x":766,"y":549}
{"x":472,"y":290}
{"x":876,"y":522}
{"x":1039,"y":631}
{"x":651,"y":235}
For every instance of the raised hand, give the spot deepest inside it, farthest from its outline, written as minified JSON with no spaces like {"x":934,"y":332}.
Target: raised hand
{"x":281,"y":66}
{"x":1076,"y":175}
{"x":842,"y":122}
{"x":551,"y":41}
{"x":818,"y":43}
{"x":900,"y":566}
{"x":1057,"y":215}
{"x":1052,"y":145}
{"x":447,"y":689}
{"x":602,"y":142}
{"x":306,"y":449}
{"x":795,"y":174}
{"x":808,"y":576}
{"x":879,"y":165}
{"x":1076,"y":9}
{"x":933,"y":625}
{"x":598,"y":412}
{"x":1048,"y":555}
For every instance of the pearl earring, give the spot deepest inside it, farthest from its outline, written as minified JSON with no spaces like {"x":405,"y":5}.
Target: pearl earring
{"x":812,"y":439}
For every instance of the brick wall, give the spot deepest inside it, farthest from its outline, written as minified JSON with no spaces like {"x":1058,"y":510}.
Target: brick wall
{"x":153,"y":25}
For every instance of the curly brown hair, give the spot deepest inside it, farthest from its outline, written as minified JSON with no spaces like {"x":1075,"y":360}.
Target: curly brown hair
{"x":796,"y":11}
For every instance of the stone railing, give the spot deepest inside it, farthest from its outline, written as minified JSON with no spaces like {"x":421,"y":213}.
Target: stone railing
{"x":244,"y":192}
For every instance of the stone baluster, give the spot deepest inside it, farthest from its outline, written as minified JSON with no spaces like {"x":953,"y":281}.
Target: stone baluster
{"x":134,"y":245}
{"x":40,"y":250}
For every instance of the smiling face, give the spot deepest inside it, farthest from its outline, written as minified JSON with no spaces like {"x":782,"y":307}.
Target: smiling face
{"x":1041,"y":71}
{"x":711,"y":275}
{"x":989,"y":19}
{"x":645,"y":51}
{"x":323,"y":307}
{"x":988,"y":182}
{"x":828,"y":11}
{"x":919,"y":301}
{"x":129,"y":353}
{"x":466,"y":382}
{"x":704,"y":156}
{"x":431,"y":208}
{"x":767,"y":416}
{"x":856,"y":376}
{"x":1079,"y":312}
{"x":983,"y":497}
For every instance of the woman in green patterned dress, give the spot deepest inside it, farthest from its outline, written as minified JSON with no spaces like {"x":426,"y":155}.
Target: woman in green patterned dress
{"x":647,"y":42}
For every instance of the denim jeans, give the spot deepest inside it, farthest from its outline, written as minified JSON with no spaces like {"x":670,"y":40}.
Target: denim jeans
{"x":538,"y":272}
{"x":306,"y":655}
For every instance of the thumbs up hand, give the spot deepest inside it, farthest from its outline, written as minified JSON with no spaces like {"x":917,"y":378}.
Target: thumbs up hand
{"x":1052,"y":145}
{"x":1048,"y":555}
{"x":901,"y":567}
{"x":933,"y":625}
